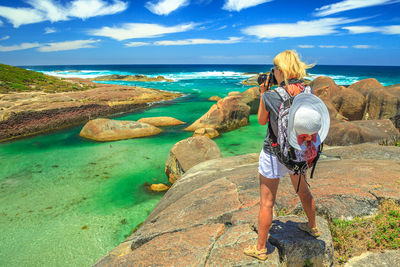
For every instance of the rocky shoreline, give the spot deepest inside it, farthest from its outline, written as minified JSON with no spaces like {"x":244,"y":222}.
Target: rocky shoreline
{"x":32,"y":113}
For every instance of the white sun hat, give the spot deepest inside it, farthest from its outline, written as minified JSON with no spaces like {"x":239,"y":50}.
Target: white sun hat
{"x":307,"y":115}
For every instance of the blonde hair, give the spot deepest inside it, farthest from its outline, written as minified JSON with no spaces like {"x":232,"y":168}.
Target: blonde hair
{"x":291,"y":66}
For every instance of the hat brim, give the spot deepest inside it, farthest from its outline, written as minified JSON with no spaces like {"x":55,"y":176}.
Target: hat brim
{"x":313,"y":102}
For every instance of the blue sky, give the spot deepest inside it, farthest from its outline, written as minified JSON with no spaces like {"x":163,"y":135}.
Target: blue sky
{"x":58,"y":32}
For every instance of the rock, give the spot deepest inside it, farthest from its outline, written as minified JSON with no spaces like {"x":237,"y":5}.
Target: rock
{"x":252,"y":80}
{"x":31,"y":113}
{"x":205,"y":219}
{"x":382,"y":104}
{"x":252,"y":98}
{"x":324,"y":87}
{"x":356,"y":132}
{"x":214,"y":98}
{"x":161,"y":121}
{"x":189,"y":152}
{"x":159,"y":187}
{"x":138,"y":77}
{"x":349,"y":103}
{"x":228,"y":114}
{"x":207,"y":132}
{"x":234,"y":93}
{"x":298,"y":248}
{"x":371,"y":259}
{"x":364,"y":151}
{"x":366,"y":86}
{"x":111,"y":130}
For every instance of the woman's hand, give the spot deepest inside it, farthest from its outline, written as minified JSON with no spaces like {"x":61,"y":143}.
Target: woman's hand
{"x":263,"y":86}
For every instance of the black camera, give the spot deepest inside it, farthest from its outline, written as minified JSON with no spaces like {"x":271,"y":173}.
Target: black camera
{"x":263,"y":77}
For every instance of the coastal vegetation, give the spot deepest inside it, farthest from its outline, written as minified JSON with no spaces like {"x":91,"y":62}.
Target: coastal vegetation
{"x":14,"y":79}
{"x":380,"y":232}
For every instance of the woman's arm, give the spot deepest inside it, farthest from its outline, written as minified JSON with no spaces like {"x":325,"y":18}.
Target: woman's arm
{"x":262,"y":111}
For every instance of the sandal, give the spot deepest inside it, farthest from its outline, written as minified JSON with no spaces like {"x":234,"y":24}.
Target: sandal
{"x":312,"y":231}
{"x":254,"y":252}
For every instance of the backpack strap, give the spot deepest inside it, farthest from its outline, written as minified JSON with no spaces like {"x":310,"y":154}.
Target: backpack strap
{"x":314,"y":163}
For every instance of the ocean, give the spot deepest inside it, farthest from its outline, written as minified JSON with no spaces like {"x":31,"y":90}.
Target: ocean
{"x":66,"y":201}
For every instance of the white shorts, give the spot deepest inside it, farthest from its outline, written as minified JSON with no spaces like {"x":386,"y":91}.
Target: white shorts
{"x":270,"y":167}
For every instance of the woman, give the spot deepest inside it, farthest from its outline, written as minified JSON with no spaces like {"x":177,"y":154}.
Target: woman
{"x":287,"y":68}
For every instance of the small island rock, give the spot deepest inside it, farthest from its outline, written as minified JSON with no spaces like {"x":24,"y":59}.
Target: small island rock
{"x":214,"y":98}
{"x":161,"y":121}
{"x":112,"y":130}
{"x":207,"y":132}
{"x":159,"y":187}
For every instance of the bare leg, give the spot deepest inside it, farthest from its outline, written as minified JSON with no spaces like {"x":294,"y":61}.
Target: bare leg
{"x":268,"y":189}
{"x":306,"y":198}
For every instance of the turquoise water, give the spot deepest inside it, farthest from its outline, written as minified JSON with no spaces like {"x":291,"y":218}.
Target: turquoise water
{"x":66,"y":201}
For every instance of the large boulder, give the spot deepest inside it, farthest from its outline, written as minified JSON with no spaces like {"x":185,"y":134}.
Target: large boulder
{"x":366,"y":86}
{"x":382,"y":103}
{"x":324,"y":87}
{"x":161,"y":121}
{"x":189,"y":152}
{"x":228,"y":114}
{"x":349,"y":103}
{"x":355,"y":132}
{"x":252,"y":98}
{"x":251,"y":81}
{"x":111,"y":130}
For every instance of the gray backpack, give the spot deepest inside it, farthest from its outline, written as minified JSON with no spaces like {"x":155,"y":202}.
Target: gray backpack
{"x":289,"y":156}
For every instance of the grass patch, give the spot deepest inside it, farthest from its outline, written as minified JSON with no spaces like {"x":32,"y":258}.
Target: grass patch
{"x":13,"y":79}
{"x":382,"y":231}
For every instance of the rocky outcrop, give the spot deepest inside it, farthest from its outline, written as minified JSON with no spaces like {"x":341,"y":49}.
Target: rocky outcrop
{"x":233,"y":93}
{"x":372,"y":259}
{"x":251,"y":97}
{"x":161,"y":121}
{"x":25,"y":114}
{"x":252,"y":80}
{"x":366,"y":86}
{"x":228,"y":114}
{"x":216,"y":236}
{"x":343,"y":133}
{"x":349,"y":103}
{"x":214,"y":98}
{"x":348,"y":182}
{"x":189,"y":152}
{"x":137,"y":78}
{"x":207,"y":132}
{"x":324,"y":87}
{"x":112,"y":130}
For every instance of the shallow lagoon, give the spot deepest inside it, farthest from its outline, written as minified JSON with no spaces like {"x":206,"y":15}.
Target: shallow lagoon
{"x":66,"y":201}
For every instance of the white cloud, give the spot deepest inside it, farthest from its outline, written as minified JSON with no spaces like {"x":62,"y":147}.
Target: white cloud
{"x":22,"y":46}
{"x":361,"y":29}
{"x":306,"y":46}
{"x":49,"y":30}
{"x":349,"y":5}
{"x":333,"y":46}
{"x":52,"y":10}
{"x":136,"y":44}
{"x":318,"y":27}
{"x":5,"y":38}
{"x":140,"y":30}
{"x":67,"y":45}
{"x":231,"y":40}
{"x":362,"y":46}
{"x":20,"y":16}
{"x":391,"y":29}
{"x":394,"y":29}
{"x":164,"y":7}
{"x":237,"y":5}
